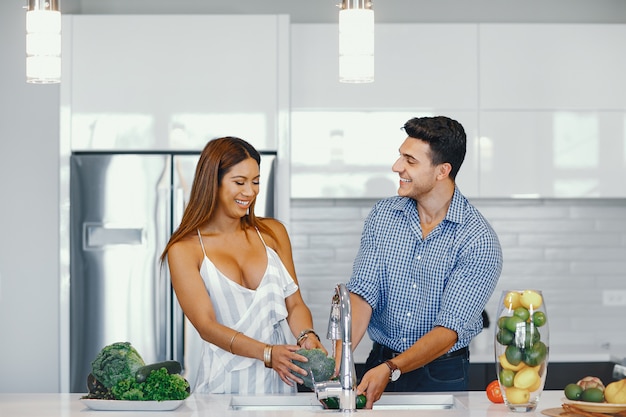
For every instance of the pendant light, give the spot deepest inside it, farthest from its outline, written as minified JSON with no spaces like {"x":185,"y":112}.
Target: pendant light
{"x":43,"y":42}
{"x":356,"y":41}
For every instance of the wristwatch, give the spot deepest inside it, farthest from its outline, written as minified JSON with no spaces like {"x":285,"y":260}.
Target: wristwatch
{"x":394,"y":371}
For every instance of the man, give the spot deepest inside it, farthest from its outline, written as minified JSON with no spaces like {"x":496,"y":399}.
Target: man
{"x":427,"y":265}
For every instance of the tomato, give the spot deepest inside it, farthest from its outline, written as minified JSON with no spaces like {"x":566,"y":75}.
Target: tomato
{"x":494,"y":393}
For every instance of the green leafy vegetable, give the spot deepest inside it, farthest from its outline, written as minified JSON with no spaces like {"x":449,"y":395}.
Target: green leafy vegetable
{"x":321,"y":366}
{"x":116,"y":362}
{"x":159,"y":386}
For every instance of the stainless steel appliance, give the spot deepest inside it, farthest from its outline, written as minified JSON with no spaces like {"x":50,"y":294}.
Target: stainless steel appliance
{"x":124,"y":207}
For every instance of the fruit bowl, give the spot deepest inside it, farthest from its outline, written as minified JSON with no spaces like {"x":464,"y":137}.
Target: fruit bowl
{"x":590,"y":407}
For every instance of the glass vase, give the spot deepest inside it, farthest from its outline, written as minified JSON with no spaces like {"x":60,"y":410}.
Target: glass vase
{"x":521,"y":348}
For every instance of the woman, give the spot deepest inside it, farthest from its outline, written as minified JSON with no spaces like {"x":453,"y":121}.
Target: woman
{"x":235,"y":280}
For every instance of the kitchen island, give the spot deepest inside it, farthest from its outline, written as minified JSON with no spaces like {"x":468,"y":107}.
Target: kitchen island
{"x":472,"y":404}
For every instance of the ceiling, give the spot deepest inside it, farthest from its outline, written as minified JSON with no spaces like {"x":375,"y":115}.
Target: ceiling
{"x":387,"y":11}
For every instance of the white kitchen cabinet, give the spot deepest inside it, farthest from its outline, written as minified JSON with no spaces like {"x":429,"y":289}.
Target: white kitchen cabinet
{"x":552,"y":110}
{"x":552,"y":66}
{"x":417,"y":67}
{"x":175,"y":81}
{"x":345,"y":137}
{"x":568,"y":154}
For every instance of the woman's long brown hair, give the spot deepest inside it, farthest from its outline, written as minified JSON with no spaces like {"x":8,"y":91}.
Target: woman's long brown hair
{"x":217,"y":158}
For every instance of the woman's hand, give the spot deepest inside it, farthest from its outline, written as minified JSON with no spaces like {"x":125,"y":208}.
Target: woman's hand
{"x":312,"y":342}
{"x":282,"y":356}
{"x":373,"y":384}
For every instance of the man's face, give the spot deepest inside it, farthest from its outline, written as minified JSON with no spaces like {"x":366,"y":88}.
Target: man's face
{"x":417,"y":173}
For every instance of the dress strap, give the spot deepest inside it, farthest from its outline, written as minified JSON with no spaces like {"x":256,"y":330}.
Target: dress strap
{"x":202,"y":244}
{"x":259,"y":233}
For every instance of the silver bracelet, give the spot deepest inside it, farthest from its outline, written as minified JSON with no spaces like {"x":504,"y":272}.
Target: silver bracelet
{"x":304,"y":334}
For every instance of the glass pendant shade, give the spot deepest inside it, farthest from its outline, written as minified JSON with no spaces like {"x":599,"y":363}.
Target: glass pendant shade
{"x":356,"y":45}
{"x":43,"y":42}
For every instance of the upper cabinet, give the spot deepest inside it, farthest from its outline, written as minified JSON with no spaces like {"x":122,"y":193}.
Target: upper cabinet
{"x":544,"y":107}
{"x":552,"y":110}
{"x":175,"y":81}
{"x":345,"y":137}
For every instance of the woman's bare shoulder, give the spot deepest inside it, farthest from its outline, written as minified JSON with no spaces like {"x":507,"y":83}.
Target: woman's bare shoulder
{"x":186,"y":245}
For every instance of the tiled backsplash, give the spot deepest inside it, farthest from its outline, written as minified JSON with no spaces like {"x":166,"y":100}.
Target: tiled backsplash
{"x":572,"y":250}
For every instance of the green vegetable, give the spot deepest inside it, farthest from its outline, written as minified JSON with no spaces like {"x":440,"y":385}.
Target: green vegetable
{"x":173,"y":367}
{"x":116,"y":362}
{"x":321,"y":366}
{"x":332,"y":403}
{"x":160,"y":385}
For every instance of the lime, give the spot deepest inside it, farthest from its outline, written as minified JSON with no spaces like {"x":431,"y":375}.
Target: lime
{"x":513,"y":354}
{"x":512,"y":323}
{"x":506,"y":377}
{"x":531,"y":336}
{"x":361,"y":400}
{"x":536,"y":354}
{"x":573,"y":391}
{"x":593,"y":395}
{"x":505,"y":337}
{"x":539,"y":318}
{"x":502,"y":322}
{"x":506,"y":365}
{"x":522,"y":313}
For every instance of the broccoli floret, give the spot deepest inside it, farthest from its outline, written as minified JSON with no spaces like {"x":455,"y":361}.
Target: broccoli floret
{"x":321,"y":366}
{"x":115,"y":363}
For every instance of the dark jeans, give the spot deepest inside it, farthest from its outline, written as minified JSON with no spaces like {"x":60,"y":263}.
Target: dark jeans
{"x":447,"y":373}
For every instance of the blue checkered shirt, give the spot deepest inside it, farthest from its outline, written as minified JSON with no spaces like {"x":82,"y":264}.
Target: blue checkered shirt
{"x":414,"y":284}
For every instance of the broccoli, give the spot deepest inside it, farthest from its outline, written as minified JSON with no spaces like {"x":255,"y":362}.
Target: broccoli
{"x":321,"y":366}
{"x":115,"y":363}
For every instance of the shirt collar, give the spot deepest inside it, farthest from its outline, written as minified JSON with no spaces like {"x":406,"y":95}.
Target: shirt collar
{"x":455,"y":211}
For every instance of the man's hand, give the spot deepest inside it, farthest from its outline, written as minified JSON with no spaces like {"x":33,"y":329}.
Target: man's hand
{"x":373,"y":384}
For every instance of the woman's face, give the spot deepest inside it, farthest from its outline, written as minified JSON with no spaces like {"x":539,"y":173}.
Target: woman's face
{"x":239,"y":188}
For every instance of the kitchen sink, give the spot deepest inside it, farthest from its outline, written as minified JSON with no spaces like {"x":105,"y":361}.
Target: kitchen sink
{"x":308,"y":401}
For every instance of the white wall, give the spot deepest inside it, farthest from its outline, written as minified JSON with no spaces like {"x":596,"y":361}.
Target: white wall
{"x":29,"y":218}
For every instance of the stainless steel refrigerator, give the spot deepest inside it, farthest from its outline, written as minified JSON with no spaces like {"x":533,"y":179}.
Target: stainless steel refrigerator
{"x":124,"y":207}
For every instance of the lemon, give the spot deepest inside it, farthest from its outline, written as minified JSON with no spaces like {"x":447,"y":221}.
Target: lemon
{"x":517,"y":395}
{"x":512,"y":300}
{"x":530,"y":299}
{"x":526,"y":378}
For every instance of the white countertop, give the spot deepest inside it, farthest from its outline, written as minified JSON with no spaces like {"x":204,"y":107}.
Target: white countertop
{"x":473,"y":404}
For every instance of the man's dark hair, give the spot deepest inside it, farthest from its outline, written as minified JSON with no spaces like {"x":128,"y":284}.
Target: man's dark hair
{"x":445,"y":136}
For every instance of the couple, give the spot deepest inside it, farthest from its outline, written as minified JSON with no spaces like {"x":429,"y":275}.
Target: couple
{"x":427,"y":265}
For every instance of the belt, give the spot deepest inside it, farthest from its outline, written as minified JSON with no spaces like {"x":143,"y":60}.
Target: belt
{"x":388,"y":353}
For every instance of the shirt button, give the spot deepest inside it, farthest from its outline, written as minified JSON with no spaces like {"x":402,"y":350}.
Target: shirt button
{"x":408,"y":314}
{"x":419,"y":257}
{"x":414,"y":285}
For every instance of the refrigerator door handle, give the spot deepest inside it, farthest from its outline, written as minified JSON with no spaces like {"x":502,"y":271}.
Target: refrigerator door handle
{"x":178,"y":318}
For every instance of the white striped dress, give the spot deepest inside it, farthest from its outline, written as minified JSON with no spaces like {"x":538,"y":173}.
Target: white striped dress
{"x":259,"y":314}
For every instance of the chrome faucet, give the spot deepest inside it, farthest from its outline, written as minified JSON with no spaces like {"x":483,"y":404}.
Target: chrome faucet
{"x":340,"y":328}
